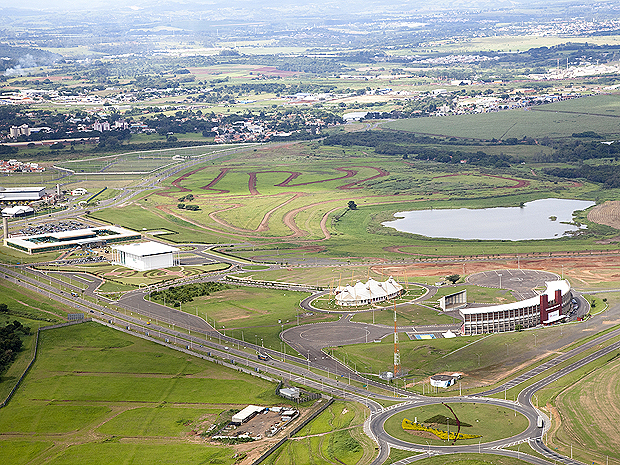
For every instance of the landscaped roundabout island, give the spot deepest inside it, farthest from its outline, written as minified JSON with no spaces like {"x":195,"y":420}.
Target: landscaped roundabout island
{"x":431,"y":424}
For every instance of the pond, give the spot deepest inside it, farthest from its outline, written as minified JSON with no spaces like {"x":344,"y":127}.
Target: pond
{"x":539,"y":219}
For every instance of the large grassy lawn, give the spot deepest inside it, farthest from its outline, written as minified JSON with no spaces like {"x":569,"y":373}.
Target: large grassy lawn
{"x":95,"y":395}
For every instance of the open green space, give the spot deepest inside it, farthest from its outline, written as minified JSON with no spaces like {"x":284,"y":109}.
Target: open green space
{"x":335,"y":435}
{"x":91,"y":387}
{"x":489,"y":421}
{"x":253,"y":313}
{"x":556,"y":120}
{"x":588,"y":421}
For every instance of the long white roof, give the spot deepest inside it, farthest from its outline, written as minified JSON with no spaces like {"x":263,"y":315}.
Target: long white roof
{"x":552,"y":286}
{"x":143,"y":249}
{"x":369,"y":290}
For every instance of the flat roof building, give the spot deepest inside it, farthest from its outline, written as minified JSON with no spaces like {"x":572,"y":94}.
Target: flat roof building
{"x":21,"y":194}
{"x":53,"y":241}
{"x":247,"y":414}
{"x":144,"y":256}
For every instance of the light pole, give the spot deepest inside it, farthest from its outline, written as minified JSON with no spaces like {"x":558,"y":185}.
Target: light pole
{"x":500,"y":280}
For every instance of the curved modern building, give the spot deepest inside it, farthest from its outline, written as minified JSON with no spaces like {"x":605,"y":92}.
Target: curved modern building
{"x":368,"y":292}
{"x":547,"y":308}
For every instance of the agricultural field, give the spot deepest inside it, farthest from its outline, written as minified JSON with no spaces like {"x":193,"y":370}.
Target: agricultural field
{"x":117,"y":396}
{"x":556,"y":120}
{"x":489,"y":422}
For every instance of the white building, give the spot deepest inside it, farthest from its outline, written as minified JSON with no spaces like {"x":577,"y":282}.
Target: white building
{"x":79,"y":191}
{"x":247,"y":414}
{"x":547,"y":308}
{"x":368,"y":292}
{"x":18,"y":210}
{"x":144,"y":256}
{"x":21,"y":194}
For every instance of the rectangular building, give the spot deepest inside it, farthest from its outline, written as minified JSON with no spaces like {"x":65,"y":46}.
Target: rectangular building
{"x":144,"y":256}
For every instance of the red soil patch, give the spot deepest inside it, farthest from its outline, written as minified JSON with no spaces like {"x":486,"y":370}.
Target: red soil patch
{"x":381,"y":171}
{"x":209,"y":187}
{"x":252,"y":180}
{"x":520,"y":182}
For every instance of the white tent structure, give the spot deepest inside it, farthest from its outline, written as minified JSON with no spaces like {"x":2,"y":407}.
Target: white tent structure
{"x":368,"y":292}
{"x":143,"y":256}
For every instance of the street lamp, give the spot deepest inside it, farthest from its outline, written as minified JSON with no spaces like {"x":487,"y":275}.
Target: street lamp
{"x":500,"y":280}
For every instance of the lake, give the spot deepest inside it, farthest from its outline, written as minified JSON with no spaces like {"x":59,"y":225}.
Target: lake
{"x":539,"y":219}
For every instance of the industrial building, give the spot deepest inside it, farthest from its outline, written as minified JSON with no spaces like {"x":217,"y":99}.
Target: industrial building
{"x":17,"y":211}
{"x":549,"y":307}
{"x":21,"y":194}
{"x":247,"y":414}
{"x":52,"y":241}
{"x":144,"y":256}
{"x":367,"y":293}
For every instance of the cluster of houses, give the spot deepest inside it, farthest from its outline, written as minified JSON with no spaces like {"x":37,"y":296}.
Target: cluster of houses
{"x":16,"y":166}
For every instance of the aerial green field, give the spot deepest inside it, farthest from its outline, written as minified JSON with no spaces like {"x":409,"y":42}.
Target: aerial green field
{"x":291,"y":201}
{"x":99,"y":396}
{"x":335,"y":434}
{"x":588,"y":415}
{"x":557,"y":120}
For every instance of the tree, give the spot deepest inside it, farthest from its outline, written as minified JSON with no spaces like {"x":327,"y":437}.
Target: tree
{"x":352,"y":205}
{"x":453,"y":278}
{"x":4,"y":308}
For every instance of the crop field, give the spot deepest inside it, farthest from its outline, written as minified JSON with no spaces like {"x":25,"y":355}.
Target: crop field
{"x":98,"y":396}
{"x":490,"y":422}
{"x":556,"y":120}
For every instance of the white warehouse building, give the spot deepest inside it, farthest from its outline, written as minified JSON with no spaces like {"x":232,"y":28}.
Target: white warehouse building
{"x":144,"y":256}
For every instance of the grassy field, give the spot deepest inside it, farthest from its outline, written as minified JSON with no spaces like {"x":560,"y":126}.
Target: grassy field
{"x":335,"y":435}
{"x":491,"y":422}
{"x":459,"y":459}
{"x":588,"y":415}
{"x":99,"y":396}
{"x":290,"y":202}
{"x":483,"y":359}
{"x":253,"y":311}
{"x":556,"y":120}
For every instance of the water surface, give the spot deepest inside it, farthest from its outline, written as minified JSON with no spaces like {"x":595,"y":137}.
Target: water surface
{"x":539,"y":219}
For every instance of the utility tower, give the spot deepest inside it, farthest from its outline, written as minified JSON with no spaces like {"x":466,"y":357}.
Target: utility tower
{"x":396,"y":348}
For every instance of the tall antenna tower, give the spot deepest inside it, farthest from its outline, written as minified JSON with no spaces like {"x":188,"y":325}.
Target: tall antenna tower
{"x":396,"y":348}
